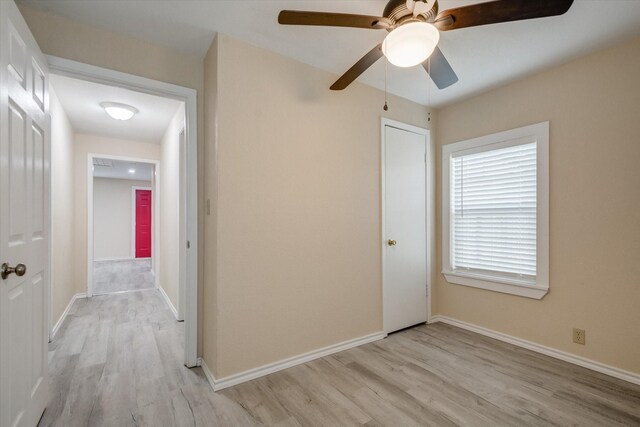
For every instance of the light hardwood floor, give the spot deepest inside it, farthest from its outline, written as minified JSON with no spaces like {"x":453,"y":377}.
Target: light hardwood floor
{"x":122,"y":275}
{"x":118,"y":362}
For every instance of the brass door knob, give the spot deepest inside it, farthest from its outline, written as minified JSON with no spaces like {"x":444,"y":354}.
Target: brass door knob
{"x":391,"y":242}
{"x":19,"y":270}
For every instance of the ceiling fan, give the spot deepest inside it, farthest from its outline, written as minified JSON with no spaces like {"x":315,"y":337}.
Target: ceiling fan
{"x":414,"y":30}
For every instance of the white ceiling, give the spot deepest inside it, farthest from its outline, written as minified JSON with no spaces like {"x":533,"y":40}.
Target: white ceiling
{"x":119,"y":169}
{"x":483,"y":57}
{"x":81,"y":101}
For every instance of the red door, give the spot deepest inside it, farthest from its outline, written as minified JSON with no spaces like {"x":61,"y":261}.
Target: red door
{"x":143,"y":223}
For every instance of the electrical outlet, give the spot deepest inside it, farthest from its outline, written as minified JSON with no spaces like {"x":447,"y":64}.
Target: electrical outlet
{"x":579,"y":336}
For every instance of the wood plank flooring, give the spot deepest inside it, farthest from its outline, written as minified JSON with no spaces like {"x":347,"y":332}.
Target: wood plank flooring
{"x":122,"y":275}
{"x":118,"y":362}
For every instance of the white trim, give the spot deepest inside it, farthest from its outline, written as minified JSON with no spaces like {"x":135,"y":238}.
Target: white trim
{"x":125,"y":258}
{"x":431,"y":217}
{"x":90,"y":177}
{"x":155,"y":232}
{"x":134,"y":188}
{"x":612,"y":371}
{"x":251,"y":374}
{"x":384,"y":121}
{"x":65,"y":313}
{"x":207,"y":373}
{"x":89,"y":226}
{"x":168,"y":301}
{"x":492,"y":283}
{"x":189,"y":97}
{"x":429,"y":204}
{"x":182,"y":224}
{"x":538,"y":133}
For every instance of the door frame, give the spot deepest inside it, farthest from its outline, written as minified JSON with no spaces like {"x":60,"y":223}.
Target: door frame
{"x":429,"y":205}
{"x":153,"y":226}
{"x":155,"y":256}
{"x":182,"y":223}
{"x":109,"y":77}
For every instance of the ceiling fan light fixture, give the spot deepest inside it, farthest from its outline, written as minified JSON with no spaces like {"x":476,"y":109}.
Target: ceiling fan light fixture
{"x":410,"y":44}
{"x":118,"y":111}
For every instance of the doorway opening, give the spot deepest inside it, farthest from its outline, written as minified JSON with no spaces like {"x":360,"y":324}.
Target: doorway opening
{"x":135,"y":189}
{"x":124,"y":214}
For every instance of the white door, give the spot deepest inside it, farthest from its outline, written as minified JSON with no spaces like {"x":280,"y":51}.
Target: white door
{"x":405,"y":253}
{"x":24,"y":222}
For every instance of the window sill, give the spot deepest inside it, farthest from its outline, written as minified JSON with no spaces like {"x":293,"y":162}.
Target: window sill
{"x":489,"y":283}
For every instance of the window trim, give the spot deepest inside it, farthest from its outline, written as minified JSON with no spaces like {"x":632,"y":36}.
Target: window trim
{"x":538,"y":133}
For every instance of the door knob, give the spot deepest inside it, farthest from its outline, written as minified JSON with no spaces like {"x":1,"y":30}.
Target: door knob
{"x":391,"y":242}
{"x":19,"y":270}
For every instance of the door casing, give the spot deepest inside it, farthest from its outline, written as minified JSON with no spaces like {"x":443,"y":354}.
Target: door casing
{"x":430,"y":205}
{"x":109,"y":77}
{"x":155,"y":256}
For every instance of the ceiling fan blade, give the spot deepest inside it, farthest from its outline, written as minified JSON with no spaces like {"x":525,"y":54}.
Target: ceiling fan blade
{"x":494,"y":12}
{"x":441,"y":72}
{"x":358,"y":68}
{"x":298,"y":17}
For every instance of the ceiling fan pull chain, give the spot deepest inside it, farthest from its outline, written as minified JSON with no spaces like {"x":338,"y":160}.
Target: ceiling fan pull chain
{"x":386,"y":107}
{"x":429,"y":90}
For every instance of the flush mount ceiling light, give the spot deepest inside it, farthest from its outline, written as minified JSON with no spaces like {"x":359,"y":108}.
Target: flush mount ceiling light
{"x":410,"y":44}
{"x":118,"y":111}
{"x":132,"y":171}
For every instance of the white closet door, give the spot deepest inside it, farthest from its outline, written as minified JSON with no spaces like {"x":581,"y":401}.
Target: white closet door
{"x":405,"y":261}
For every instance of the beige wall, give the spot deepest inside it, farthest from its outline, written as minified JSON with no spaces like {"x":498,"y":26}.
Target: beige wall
{"x":62,"y":211}
{"x":170,"y":206}
{"x":298,"y":208}
{"x":85,"y":144}
{"x":592,"y":105}
{"x":112,"y":217}
{"x":69,"y":39}
{"x":65,"y":38}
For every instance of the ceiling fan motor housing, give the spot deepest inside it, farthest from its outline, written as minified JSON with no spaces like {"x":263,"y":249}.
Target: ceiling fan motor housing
{"x":398,"y":12}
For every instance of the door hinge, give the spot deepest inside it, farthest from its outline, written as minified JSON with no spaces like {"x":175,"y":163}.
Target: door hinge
{"x":188,"y":244}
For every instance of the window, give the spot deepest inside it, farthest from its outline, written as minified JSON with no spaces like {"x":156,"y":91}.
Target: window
{"x":496,"y":211}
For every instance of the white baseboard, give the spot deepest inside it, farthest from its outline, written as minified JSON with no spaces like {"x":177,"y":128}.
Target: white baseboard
{"x":251,"y":374}
{"x":113,"y":259}
{"x":169,"y":303}
{"x":207,"y":373}
{"x":538,"y":348}
{"x":60,"y":321}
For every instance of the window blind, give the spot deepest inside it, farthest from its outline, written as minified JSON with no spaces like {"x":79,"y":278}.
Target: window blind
{"x":493,"y":202}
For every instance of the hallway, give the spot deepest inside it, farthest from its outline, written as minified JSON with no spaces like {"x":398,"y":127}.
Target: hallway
{"x":122,"y":275}
{"x":118,"y":361}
